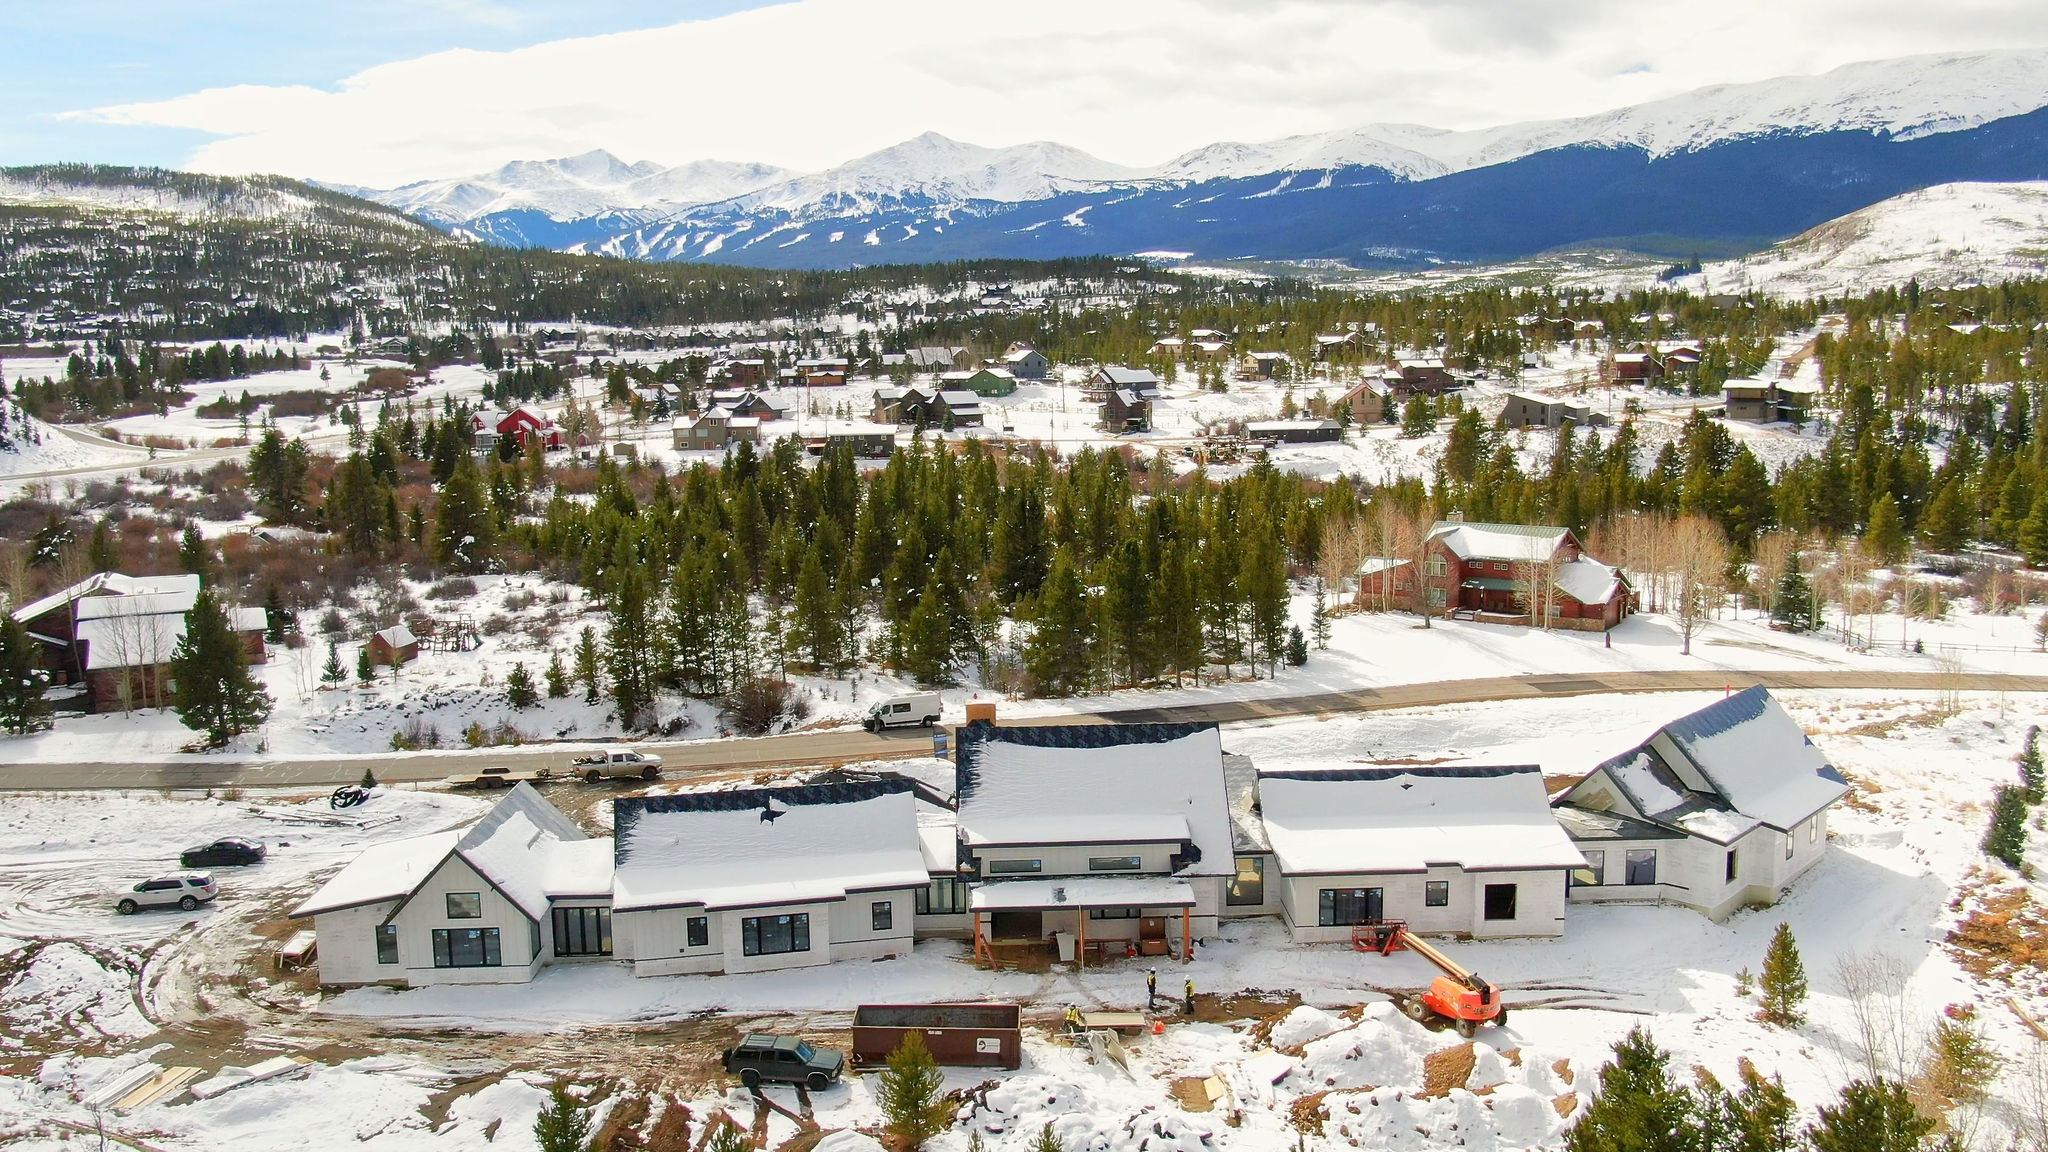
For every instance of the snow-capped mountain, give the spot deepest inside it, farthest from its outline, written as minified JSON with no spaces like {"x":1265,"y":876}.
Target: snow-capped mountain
{"x":1720,"y":170}
{"x":1944,"y":236}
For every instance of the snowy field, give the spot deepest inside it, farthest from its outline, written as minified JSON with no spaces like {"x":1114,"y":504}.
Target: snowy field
{"x":85,"y":994}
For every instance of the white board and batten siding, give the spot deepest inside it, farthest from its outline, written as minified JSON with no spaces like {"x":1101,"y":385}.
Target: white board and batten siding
{"x":657,"y":940}
{"x":1539,"y":903}
{"x":522,"y":944}
{"x":348,"y":946}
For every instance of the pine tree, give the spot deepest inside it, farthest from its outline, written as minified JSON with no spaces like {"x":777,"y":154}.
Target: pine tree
{"x":1793,"y":607}
{"x":356,"y":504}
{"x":2032,"y":777}
{"x":1058,"y":654}
{"x":99,"y":551}
{"x":587,"y":665}
{"x":519,"y":689}
{"x":628,"y":650}
{"x":278,"y":621}
{"x":728,"y":1138}
{"x":1884,"y":537}
{"x":1638,"y":1108}
{"x":464,"y":530}
{"x":22,"y":680}
{"x":2006,"y":840}
{"x":926,"y":639}
{"x":1319,"y":620}
{"x":558,"y":680}
{"x":814,"y":620}
{"x":1945,"y":525}
{"x":1758,"y":1117}
{"x":1297,"y":646}
{"x":911,"y":1092}
{"x":332,"y":673}
{"x":2033,"y":531}
{"x":1046,"y":1141}
{"x":366,"y":668}
{"x":1873,"y":1116}
{"x":1782,"y":987}
{"x":562,"y":1126}
{"x":194,"y":554}
{"x":215,"y":693}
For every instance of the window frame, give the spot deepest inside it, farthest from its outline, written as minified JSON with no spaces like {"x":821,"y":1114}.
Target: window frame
{"x":386,"y":937}
{"x":1596,"y":870}
{"x":697,"y":932}
{"x":1332,"y":904}
{"x":490,"y":952}
{"x":1116,"y":863}
{"x":1514,"y":903}
{"x":581,"y":930}
{"x":757,"y":940}
{"x":472,"y":900}
{"x":943,"y":896}
{"x":1013,"y":867}
{"x":1436,"y":893}
{"x":1732,"y":868}
{"x":1116,"y":913}
{"x":882,"y":916}
{"x":1633,"y":861}
{"x":1235,"y":892}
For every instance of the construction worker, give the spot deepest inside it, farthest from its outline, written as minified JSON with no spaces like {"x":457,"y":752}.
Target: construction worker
{"x":1189,"y":1006}
{"x":1073,"y":1019}
{"x":1151,"y":989}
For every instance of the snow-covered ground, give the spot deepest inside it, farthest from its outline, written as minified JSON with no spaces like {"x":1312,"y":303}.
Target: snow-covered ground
{"x":85,"y":994}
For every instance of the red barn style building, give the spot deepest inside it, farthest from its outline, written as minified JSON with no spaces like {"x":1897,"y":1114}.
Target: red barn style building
{"x":529,"y":425}
{"x":1494,"y":571}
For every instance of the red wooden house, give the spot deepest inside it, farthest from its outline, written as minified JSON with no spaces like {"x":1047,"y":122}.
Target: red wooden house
{"x":526,"y":425}
{"x":1508,"y":573}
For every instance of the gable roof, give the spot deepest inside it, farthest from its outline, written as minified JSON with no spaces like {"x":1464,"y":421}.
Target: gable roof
{"x":1097,"y":783}
{"x":1407,"y":819}
{"x":724,"y":850}
{"x":115,"y":586}
{"x":1474,"y":541}
{"x":1120,"y":376}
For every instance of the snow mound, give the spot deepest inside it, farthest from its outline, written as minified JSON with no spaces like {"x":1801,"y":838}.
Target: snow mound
{"x":1385,"y":1048}
{"x":1304,"y":1024}
{"x":848,"y":1140}
{"x":64,"y":990}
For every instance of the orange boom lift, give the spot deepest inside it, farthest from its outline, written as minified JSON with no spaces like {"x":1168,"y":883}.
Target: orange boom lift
{"x":1459,"y":995}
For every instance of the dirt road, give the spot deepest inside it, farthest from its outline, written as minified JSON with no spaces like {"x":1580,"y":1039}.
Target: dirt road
{"x":844,"y":745}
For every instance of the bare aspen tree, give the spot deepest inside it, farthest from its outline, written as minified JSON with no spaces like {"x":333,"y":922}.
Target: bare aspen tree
{"x":1698,"y":558}
{"x":1415,"y":549}
{"x":1771,"y":558}
{"x":1886,"y":1036}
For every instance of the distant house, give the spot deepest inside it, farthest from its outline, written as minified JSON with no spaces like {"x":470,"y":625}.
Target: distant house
{"x":116,"y":634}
{"x":1719,"y":810}
{"x":742,"y":372}
{"x":521,"y":889}
{"x":982,"y":381}
{"x":940,"y":359}
{"x":766,"y":878}
{"x":1758,"y":400}
{"x":958,"y":407}
{"x":746,"y":402}
{"x":1127,"y":410}
{"x":1423,"y":374}
{"x":1262,"y":365}
{"x":1528,"y":411}
{"x":1337,"y":345}
{"x":1368,"y":400}
{"x":1470,"y":851}
{"x":1168,"y":347}
{"x":394,"y":645}
{"x":907,"y":405}
{"x":1024,"y":364}
{"x":1112,"y":377}
{"x":1294,"y":431}
{"x":1637,"y":366}
{"x":713,"y":429}
{"x":866,"y":441}
{"x":1495,"y":570}
{"x":828,"y":373}
{"x":1097,"y":833}
{"x":529,"y":426}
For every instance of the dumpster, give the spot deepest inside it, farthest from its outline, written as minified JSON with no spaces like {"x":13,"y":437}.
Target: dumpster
{"x":964,"y":1035}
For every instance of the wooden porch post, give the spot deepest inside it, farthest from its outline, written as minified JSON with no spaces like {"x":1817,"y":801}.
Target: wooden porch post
{"x":1081,"y":949}
{"x":1187,"y":934}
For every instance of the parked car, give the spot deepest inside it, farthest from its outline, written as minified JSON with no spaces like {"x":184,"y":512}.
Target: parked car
{"x":620,"y":765}
{"x":908,"y":710}
{"x":764,"y":1058}
{"x":226,"y":853}
{"x":186,"y":890}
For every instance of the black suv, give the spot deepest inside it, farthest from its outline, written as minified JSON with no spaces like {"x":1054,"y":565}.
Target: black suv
{"x":763,"y":1058}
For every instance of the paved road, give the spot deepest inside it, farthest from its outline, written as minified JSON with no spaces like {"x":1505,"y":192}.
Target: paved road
{"x":842,"y":746}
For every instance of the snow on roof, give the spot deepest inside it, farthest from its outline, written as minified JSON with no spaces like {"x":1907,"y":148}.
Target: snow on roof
{"x":761,"y":846}
{"x":1065,"y":784}
{"x":1588,"y":581}
{"x":1631,"y":357}
{"x":1497,"y":541}
{"x":1020,"y":355}
{"x":1366,"y":820}
{"x":248,"y":620}
{"x":938,"y":838}
{"x":383,"y":872}
{"x":138,"y":604}
{"x":1085,"y":892}
{"x":130,"y":641}
{"x":1758,"y":758}
{"x":531,"y":851}
{"x":398,"y":636}
{"x":1121,"y":376}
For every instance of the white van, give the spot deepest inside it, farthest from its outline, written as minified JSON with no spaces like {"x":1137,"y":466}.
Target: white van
{"x":908,"y":710}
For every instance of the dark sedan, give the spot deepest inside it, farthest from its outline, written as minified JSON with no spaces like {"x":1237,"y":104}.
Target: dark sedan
{"x":222,"y":853}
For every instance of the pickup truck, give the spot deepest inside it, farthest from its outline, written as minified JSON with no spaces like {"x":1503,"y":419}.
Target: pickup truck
{"x":498,"y":777}
{"x":616,"y":766}
{"x":762,"y":1057}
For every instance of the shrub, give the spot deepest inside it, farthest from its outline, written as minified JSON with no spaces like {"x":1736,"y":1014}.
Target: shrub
{"x":453,"y":588}
{"x":760,"y":704}
{"x":911,"y":1093}
{"x":561,"y":1126}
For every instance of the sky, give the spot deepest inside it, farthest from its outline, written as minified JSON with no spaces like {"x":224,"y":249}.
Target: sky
{"x":381,"y":92}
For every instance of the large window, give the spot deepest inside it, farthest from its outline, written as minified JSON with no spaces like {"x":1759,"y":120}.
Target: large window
{"x":999,"y":867}
{"x":1340,"y":906}
{"x":583,"y":931}
{"x":1248,"y":885}
{"x":1114,"y":863}
{"x":1434,"y":566}
{"x":774,"y":935}
{"x":466,"y":948}
{"x":1640,"y":866}
{"x":882,"y":915}
{"x":1500,"y":901}
{"x":1436,"y":597}
{"x":1436,"y":893}
{"x":1594,"y":872}
{"x":944,"y":896}
{"x":1731,"y":866}
{"x":697,"y":930}
{"x":1116,"y":913}
{"x":465,"y":905}
{"x":387,"y":943}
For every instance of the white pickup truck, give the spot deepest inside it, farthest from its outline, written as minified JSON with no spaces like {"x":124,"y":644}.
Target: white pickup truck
{"x":616,"y":765}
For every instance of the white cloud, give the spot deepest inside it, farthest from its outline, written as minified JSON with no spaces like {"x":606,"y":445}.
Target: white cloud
{"x":814,"y":82}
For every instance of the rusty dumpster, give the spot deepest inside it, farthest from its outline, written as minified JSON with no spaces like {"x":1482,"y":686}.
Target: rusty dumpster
{"x":967,"y":1035}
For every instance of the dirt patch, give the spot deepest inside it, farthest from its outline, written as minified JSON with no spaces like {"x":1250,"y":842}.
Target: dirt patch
{"x":2002,"y":933}
{"x":1565,"y":1105}
{"x":1446,"y":1069}
{"x":1925,"y":718}
{"x":1308,"y":1114}
{"x":1563,"y":1068}
{"x":1192,"y":1095}
{"x":1252,"y":1004}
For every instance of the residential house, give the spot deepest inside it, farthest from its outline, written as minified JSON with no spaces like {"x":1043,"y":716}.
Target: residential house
{"x":115,"y":634}
{"x":744,"y":373}
{"x":940,"y":359}
{"x":766,"y":878}
{"x":1338,"y":345}
{"x":528,"y":426}
{"x":520,"y":889}
{"x":957,"y":408}
{"x":1759,"y":400}
{"x":746,"y":402}
{"x":827,"y":373}
{"x":1423,"y":374}
{"x":865,"y":441}
{"x":394,"y":645}
{"x":1168,"y":347}
{"x":906,"y":405}
{"x":1115,"y":834}
{"x":1637,"y":366}
{"x":1524,"y":410}
{"x":981,"y":381}
{"x":1718,"y":810}
{"x":1493,"y":571}
{"x":1127,"y":410}
{"x":1024,"y":364}
{"x":713,"y":430}
{"x":1294,"y":431}
{"x":1262,"y":365}
{"x":1111,"y":377}
{"x":1470,"y":851}
{"x":1368,"y":399}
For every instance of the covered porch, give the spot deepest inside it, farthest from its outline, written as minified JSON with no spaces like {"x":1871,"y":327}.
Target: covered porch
{"x":1493,"y":596}
{"x":1106,"y":908}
